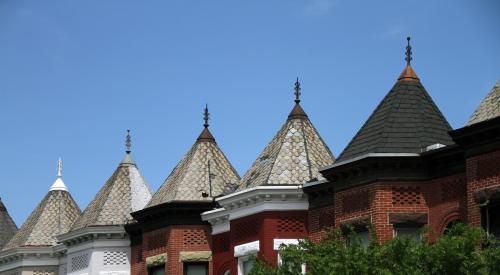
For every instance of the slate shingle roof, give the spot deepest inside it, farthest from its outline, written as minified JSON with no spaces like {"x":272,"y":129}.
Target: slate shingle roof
{"x":190,"y":178}
{"x":406,"y":121}
{"x":294,"y":155}
{"x":489,"y":107}
{"x":124,"y":192}
{"x":53,"y":216}
{"x":7,"y":226}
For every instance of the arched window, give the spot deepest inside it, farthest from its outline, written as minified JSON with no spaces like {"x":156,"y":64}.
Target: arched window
{"x":450,"y":225}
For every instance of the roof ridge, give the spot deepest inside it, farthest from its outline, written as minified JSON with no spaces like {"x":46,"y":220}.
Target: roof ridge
{"x":36,"y":230}
{"x":488,"y":108}
{"x":372,"y":114}
{"x":397,"y":123}
{"x":278,"y":152}
{"x":183,"y":172}
{"x":306,"y":149}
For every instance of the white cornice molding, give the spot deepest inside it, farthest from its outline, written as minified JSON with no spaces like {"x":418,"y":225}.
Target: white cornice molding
{"x":92,"y":233}
{"x":253,"y":201}
{"x":28,"y":256}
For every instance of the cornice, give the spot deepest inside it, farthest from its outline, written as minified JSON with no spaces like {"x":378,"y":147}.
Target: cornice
{"x":92,"y":233}
{"x":253,"y":201}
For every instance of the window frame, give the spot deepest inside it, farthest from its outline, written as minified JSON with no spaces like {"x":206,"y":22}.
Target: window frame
{"x":242,"y":260}
{"x":416,"y":226}
{"x":185,"y":264}
{"x":151,"y":269}
{"x":485,"y":217}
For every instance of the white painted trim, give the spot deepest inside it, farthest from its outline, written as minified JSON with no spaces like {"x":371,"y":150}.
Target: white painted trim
{"x":268,"y":206}
{"x":259,"y":190}
{"x":220,"y":228}
{"x":94,"y":230}
{"x":278,"y":242}
{"x":246,"y":249}
{"x":253,"y":201}
{"x":241,"y":260}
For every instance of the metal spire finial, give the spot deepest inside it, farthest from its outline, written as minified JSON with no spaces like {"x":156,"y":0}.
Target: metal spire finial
{"x":128,"y":142}
{"x":297,"y":91}
{"x":59,"y":168}
{"x":206,"y":116}
{"x":408,"y":52}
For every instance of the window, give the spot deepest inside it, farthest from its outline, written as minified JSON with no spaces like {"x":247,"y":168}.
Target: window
{"x":227,"y":272}
{"x":362,"y":235}
{"x":302,"y":267}
{"x":245,"y":264}
{"x":407,"y":231}
{"x":157,"y":270}
{"x":491,"y":219}
{"x":195,"y":268}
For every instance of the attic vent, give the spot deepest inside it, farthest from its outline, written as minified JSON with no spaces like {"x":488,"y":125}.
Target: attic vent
{"x":434,"y":147}
{"x":290,"y":225}
{"x":115,"y":258}
{"x":79,"y":262}
{"x":194,"y":237}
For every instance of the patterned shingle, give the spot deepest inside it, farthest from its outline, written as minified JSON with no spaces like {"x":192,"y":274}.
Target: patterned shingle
{"x":190,"y":178}
{"x":406,"y":121}
{"x":293,"y":156}
{"x":489,"y":107}
{"x":124,"y":192}
{"x":7,"y":226}
{"x":53,"y":216}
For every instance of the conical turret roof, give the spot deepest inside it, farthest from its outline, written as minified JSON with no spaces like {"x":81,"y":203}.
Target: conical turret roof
{"x":204,"y":167}
{"x":7,"y":226}
{"x":294,"y":155}
{"x":489,"y":107}
{"x":406,"y":121}
{"x":124,"y":192}
{"x":53,"y":216}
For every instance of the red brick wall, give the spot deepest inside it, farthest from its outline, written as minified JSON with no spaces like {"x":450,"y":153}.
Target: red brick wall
{"x":172,"y":240}
{"x":222,"y":253}
{"x":320,"y":220}
{"x":443,"y":199}
{"x":265,"y":227}
{"x":482,"y":171}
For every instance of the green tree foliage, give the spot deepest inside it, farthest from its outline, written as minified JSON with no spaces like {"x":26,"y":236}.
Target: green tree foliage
{"x":462,"y":250}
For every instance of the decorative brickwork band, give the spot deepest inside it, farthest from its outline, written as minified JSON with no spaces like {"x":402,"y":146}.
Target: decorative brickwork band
{"x":195,"y":256}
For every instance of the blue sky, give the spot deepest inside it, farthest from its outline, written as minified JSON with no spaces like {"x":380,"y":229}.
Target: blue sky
{"x":74,"y":75}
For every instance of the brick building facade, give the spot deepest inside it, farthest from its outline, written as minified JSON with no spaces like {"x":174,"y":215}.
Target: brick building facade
{"x":406,"y":168}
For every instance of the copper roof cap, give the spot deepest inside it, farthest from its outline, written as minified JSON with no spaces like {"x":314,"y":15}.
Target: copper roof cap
{"x":408,"y":73}
{"x":297,"y":111}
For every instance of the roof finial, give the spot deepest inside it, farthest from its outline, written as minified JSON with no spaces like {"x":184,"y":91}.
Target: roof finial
{"x":297,"y":91}
{"x":206,"y":116}
{"x":59,"y":168}
{"x":408,"y":52}
{"x":128,"y":142}
{"x":59,"y":183}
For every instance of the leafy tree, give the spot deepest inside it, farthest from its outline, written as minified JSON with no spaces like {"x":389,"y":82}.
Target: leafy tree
{"x":462,"y":250}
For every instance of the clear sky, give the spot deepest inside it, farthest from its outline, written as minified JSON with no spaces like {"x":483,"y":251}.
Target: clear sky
{"x":74,"y":75}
